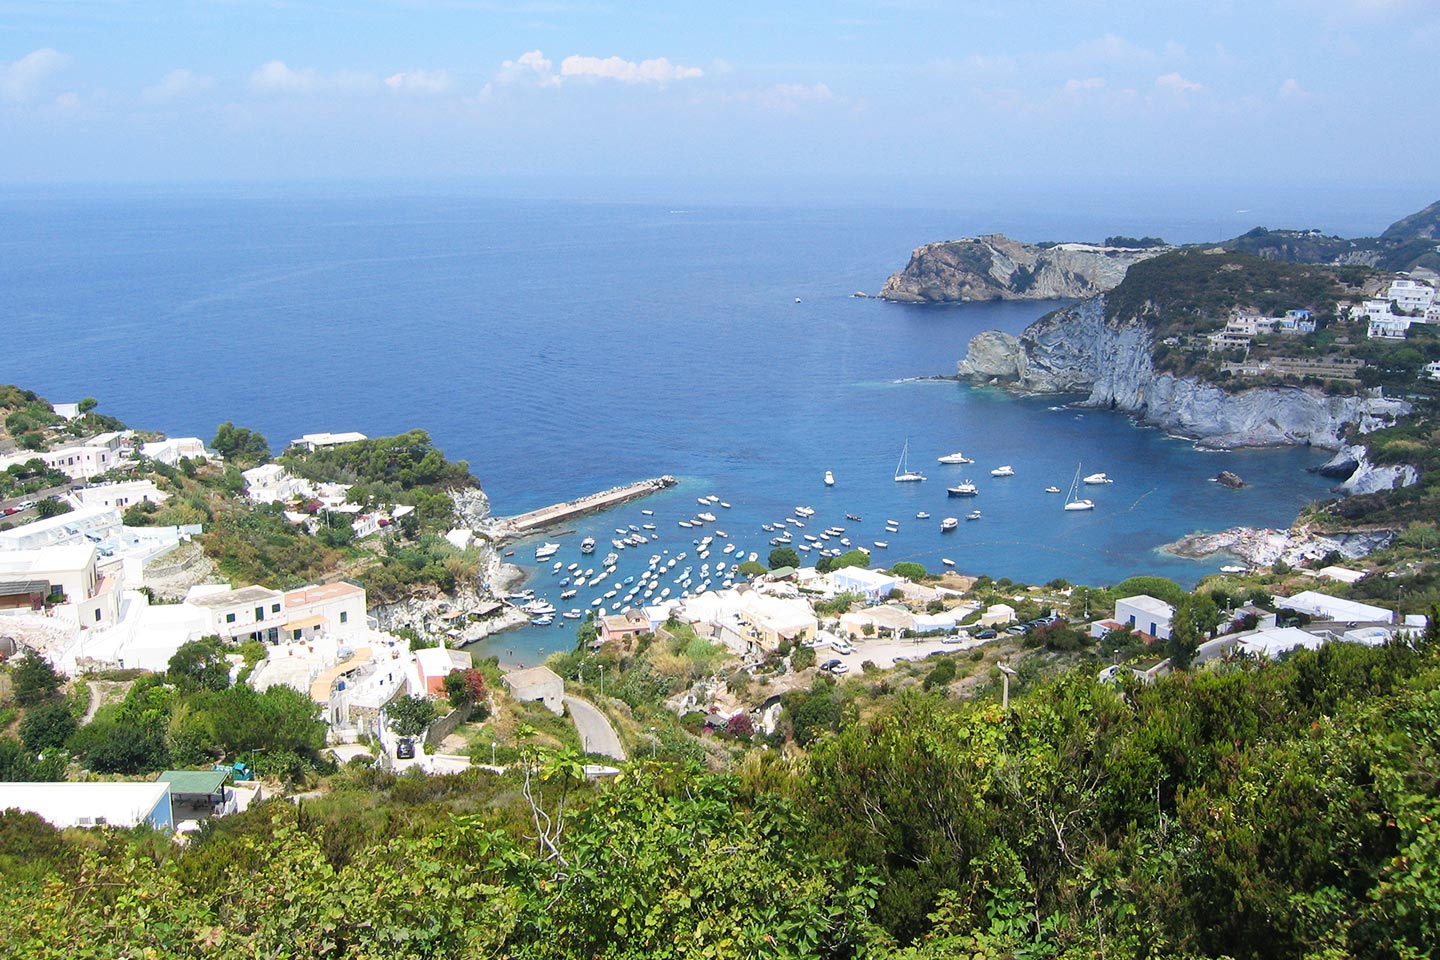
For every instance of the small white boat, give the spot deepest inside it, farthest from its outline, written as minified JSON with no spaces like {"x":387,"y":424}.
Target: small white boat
{"x":1071,"y":502}
{"x":707,"y":517}
{"x":1005,"y":471}
{"x":648,"y":513}
{"x":558,"y":566}
{"x":805,"y":512}
{"x":568,"y":594}
{"x":829,"y":479}
{"x":903,"y":473}
{"x":947,"y":561}
{"x":1097,"y":478}
{"x":956,"y":457}
{"x":611,"y":559}
{"x":571,"y":614}
{"x":546,"y":550}
{"x":922,"y":515}
{"x":685,"y":523}
{"x":948,"y":524}
{"x":587,"y":545}
{"x":973,"y":515}
{"x":752,"y":557}
{"x":1232,"y":568}
{"x":882,"y":544}
{"x":648,"y":526}
{"x":703,"y":501}
{"x":1052,"y":489}
{"x":966,"y":489}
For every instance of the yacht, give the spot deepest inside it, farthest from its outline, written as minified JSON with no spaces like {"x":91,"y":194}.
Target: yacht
{"x":903,"y":473}
{"x":829,"y":479}
{"x":1071,"y":503}
{"x":973,"y":515}
{"x":1097,"y":478}
{"x":568,"y":594}
{"x":805,"y":512}
{"x":852,"y":517}
{"x":707,"y":517}
{"x":956,"y":457}
{"x":1005,"y":471}
{"x":611,"y":559}
{"x":948,"y":524}
{"x":587,"y":545}
{"x":1052,"y":489}
{"x":546,"y":550}
{"x":922,"y":515}
{"x":966,"y":489}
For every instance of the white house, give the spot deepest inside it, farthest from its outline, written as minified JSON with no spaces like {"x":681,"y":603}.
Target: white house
{"x":119,"y":495}
{"x":1411,"y":295}
{"x":319,"y":441}
{"x":249,"y":613}
{"x":271,"y":482}
{"x":774,"y":619}
{"x":334,"y":608}
{"x":65,"y":805}
{"x":78,"y":462}
{"x":1388,"y":328}
{"x":1325,"y":607}
{"x":1432,"y":370}
{"x":538,"y":683}
{"x":872,"y":583}
{"x":86,"y":525}
{"x":1146,"y":614}
{"x":174,"y":449}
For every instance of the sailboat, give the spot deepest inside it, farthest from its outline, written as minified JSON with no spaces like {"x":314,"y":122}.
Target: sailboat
{"x":1073,"y":504}
{"x":903,"y":473}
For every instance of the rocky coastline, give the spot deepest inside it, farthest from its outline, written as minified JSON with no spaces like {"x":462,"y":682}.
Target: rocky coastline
{"x":1263,"y":547}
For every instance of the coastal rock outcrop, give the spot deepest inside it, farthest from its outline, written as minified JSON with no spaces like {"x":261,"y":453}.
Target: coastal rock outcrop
{"x":1231,"y":480}
{"x":1080,"y":350}
{"x":1263,"y":547}
{"x":994,"y":267}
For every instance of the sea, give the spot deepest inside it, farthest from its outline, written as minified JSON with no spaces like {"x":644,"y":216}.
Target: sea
{"x":565,"y":347}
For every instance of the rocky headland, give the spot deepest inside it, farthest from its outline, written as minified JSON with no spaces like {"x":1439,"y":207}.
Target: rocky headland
{"x":994,"y":267}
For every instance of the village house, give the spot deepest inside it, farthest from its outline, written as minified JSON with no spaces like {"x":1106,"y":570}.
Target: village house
{"x":1146,"y":615}
{"x":1410,"y":295}
{"x":119,"y":495}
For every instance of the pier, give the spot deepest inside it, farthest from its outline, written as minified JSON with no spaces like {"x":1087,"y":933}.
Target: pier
{"x":519,"y":526}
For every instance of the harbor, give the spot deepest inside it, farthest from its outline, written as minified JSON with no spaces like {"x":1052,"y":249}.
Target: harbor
{"x":527,"y":523}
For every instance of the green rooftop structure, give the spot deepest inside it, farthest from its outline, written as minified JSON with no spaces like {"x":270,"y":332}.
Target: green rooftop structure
{"x":196,"y":794}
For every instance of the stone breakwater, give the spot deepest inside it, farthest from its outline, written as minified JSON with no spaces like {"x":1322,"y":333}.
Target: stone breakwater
{"x":1260,"y":547}
{"x":558,"y":513}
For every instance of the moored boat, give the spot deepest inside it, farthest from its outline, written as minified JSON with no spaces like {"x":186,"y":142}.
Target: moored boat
{"x":966,"y":489}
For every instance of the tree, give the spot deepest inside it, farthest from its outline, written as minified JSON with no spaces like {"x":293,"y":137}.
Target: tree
{"x":33,"y":679}
{"x":47,"y":508}
{"x":122,"y":748}
{"x":784,"y":557}
{"x":740,"y":726}
{"x":240,"y":445}
{"x":46,"y":726}
{"x":18,"y":763}
{"x":88,"y":404}
{"x":464,"y":687}
{"x":200,"y":665}
{"x":852,"y":558}
{"x":941,"y":675}
{"x":409,"y":716}
{"x":909,"y":570}
{"x":802,"y":658}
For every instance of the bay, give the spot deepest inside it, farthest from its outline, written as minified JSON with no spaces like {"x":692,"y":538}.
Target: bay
{"x":565,"y":347}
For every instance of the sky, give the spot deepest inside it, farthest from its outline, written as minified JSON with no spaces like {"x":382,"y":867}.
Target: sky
{"x":878,"y":100}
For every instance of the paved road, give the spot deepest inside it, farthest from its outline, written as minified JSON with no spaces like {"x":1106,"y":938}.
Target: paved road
{"x":596,"y":734}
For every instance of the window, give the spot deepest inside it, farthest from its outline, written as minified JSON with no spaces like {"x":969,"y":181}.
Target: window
{"x":295,"y":635}
{"x":97,"y":616}
{"x":259,"y":613}
{"x":344,"y":615}
{"x":274,"y":608}
{"x":229,"y":618}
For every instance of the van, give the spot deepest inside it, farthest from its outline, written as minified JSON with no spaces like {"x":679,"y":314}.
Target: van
{"x":842,"y":647}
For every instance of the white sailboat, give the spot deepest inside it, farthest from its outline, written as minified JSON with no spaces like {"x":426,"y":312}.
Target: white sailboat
{"x":903,"y":473}
{"x":1071,"y":503}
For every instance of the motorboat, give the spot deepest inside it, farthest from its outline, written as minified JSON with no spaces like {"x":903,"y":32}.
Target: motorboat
{"x":648,"y":513}
{"x":948,"y":524}
{"x":966,"y":489}
{"x":1232,"y":568}
{"x":806,"y":512}
{"x":611,"y":559}
{"x":973,"y":515}
{"x":587,"y":545}
{"x":545,"y":551}
{"x":1071,"y":502}
{"x":947,"y":561}
{"x":707,"y":517}
{"x":882,"y":544}
{"x":1052,"y":489}
{"x":1005,"y":471}
{"x":903,"y":473}
{"x":1097,"y":478}
{"x":852,"y":517}
{"x":956,"y":457}
{"x":724,"y":505}
{"x":922,"y":515}
{"x":829,"y":479}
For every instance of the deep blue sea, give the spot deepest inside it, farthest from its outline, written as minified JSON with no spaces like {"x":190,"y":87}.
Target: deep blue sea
{"x":564,"y":347}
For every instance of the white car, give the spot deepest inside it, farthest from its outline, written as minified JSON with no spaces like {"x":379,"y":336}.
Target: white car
{"x":837,"y":667}
{"x":842,"y":647}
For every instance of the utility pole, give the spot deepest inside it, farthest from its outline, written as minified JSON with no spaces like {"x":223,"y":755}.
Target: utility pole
{"x":1005,"y":674}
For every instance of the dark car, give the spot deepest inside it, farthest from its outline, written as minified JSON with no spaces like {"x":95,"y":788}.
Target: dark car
{"x":405,"y":749}
{"x":986,"y":635}
{"x":829,"y":664}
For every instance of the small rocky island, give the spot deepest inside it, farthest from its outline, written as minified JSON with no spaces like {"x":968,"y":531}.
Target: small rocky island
{"x":994,"y":267}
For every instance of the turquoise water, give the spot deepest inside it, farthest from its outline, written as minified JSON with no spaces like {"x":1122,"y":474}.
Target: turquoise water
{"x":563,"y":348}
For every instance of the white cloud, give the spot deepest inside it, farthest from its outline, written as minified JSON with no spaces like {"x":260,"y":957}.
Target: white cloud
{"x":276,"y":77}
{"x":420,"y":81}
{"x":177,"y":85}
{"x":1174,"y":83}
{"x":533,"y":66}
{"x":1080,"y":86}
{"x":659,"y":71}
{"x":21,"y":79}
{"x":1291,"y":89}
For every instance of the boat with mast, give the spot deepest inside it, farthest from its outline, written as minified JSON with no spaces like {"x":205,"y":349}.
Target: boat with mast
{"x":1071,"y":503}
{"x":903,"y":473}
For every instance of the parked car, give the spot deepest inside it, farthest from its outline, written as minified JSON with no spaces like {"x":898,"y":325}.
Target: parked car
{"x":840,"y":668}
{"x":24,"y":504}
{"x":405,"y":749}
{"x":986,"y":635}
{"x":842,"y":647}
{"x":830,"y":665}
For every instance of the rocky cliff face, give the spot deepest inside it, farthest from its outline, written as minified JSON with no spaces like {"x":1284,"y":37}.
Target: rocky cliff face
{"x":1077,"y":350}
{"x":1361,"y":476}
{"x":994,"y":267}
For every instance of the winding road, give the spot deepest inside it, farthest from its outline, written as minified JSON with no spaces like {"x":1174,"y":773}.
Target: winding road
{"x":596,"y":734}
